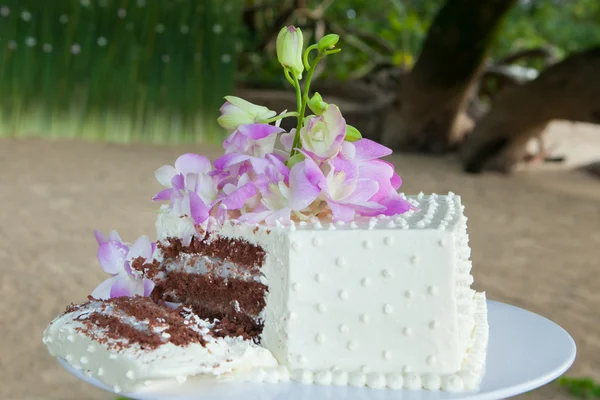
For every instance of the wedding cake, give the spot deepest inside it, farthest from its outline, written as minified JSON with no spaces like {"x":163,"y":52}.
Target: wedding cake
{"x":294,"y":261}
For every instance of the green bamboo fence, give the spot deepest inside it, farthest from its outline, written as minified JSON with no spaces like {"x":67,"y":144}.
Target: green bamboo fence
{"x":116,"y":70}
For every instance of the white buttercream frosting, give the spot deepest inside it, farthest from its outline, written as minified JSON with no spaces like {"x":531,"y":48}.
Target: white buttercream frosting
{"x":377,"y":302}
{"x":127,"y":367}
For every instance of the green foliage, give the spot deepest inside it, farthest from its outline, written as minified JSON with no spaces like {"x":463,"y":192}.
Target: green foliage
{"x":157,"y":70}
{"x":115,"y":69}
{"x":568,"y":25}
{"x":392,"y":32}
{"x":584,"y":388}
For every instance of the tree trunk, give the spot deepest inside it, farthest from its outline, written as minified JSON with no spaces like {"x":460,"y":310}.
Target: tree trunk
{"x":430,"y":113}
{"x":569,"y":90}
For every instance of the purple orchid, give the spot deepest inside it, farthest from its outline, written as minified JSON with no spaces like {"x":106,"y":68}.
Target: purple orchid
{"x":344,"y":191}
{"x":256,"y":140}
{"x":190,"y":188}
{"x":280,"y":199}
{"x":251,"y":145}
{"x":366,"y":153}
{"x":115,"y":258}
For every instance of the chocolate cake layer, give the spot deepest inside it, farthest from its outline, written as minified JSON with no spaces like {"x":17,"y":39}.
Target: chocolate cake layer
{"x":237,"y":251}
{"x":232,"y":301}
{"x":111,"y":322}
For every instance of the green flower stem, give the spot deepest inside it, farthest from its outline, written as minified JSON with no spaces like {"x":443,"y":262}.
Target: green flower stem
{"x":328,"y":52}
{"x":305,"y":56}
{"x":304,"y":101}
{"x":281,"y":116}
{"x":286,"y":72}
{"x":300,"y":105}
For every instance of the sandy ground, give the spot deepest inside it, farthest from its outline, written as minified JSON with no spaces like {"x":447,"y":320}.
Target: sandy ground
{"x":535,"y":239}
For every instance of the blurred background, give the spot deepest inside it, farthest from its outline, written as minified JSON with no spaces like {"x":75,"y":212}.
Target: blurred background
{"x":97,"y":94}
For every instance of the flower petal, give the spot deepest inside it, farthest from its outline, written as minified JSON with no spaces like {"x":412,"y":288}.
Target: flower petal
{"x":164,"y":175}
{"x":141,"y":248}
{"x":102,"y":291}
{"x":238,"y":197}
{"x":396,"y":181}
{"x":395,"y":204}
{"x":126,"y":287}
{"x":254,"y":217}
{"x":198,"y":210}
{"x":312,"y":171}
{"x":368,"y":208}
{"x":259,"y":131}
{"x":348,"y":150}
{"x":365,"y":189}
{"x":279,"y":165}
{"x":111,"y":256}
{"x":99,"y":237}
{"x":113,"y":235}
{"x":178,"y":182}
{"x":230,"y":159}
{"x":283,"y":216}
{"x":303,"y":190}
{"x":148,"y":287}
{"x":341,"y":212}
{"x":191,"y":163}
{"x":380,"y":171}
{"x":164,"y":194}
{"x":287,"y":139}
{"x":369,"y":150}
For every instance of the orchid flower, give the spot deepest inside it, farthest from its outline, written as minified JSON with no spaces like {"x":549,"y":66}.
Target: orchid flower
{"x":280,"y":200}
{"x":236,"y":112}
{"x":365,"y":153}
{"x":342,"y":189}
{"x":190,"y":188}
{"x":256,"y":140}
{"x":115,"y":258}
{"x":250,"y":143}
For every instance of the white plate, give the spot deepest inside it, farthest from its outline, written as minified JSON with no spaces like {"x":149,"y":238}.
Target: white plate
{"x":525,"y":351}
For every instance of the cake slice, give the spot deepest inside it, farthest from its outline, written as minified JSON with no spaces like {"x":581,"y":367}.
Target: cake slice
{"x":377,"y":301}
{"x":130,"y":342}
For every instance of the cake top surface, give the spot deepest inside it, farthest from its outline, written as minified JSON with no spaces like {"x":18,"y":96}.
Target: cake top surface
{"x":439,"y":212}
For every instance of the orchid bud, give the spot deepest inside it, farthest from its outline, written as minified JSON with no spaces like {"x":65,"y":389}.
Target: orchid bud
{"x":236,"y":112}
{"x":317,"y":105}
{"x":289,"y":49}
{"x":352,"y":134}
{"x":328,"y":42}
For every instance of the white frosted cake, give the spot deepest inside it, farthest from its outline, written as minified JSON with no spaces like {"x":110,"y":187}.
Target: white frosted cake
{"x":377,"y":301}
{"x":303,"y":263}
